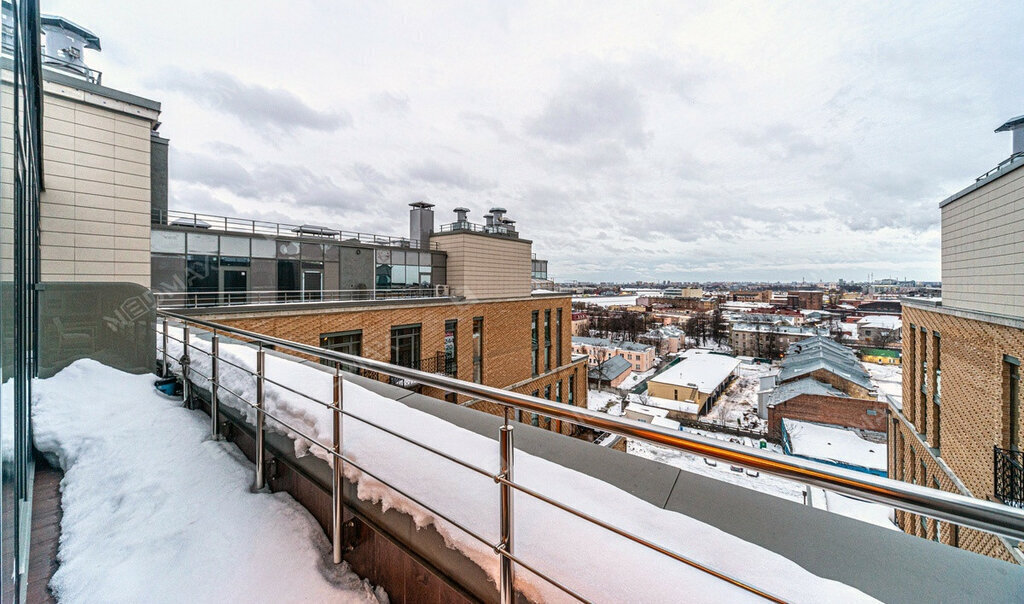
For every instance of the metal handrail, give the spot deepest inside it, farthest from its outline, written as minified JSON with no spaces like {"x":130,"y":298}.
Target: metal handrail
{"x":504,"y":478}
{"x":959,"y":509}
{"x":184,"y":300}
{"x":214,"y":222}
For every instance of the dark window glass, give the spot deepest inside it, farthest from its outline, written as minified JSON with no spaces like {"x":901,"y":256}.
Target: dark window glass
{"x":405,"y":346}
{"x":478,"y":350}
{"x":558,"y":337}
{"x":450,"y":347}
{"x":348,"y":342}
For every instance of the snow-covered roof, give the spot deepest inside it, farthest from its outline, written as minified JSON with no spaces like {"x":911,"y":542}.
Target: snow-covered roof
{"x":881,"y":321}
{"x":819,"y":441}
{"x":610,"y":369}
{"x":703,"y":371}
{"x":809,"y":355}
{"x":672,"y":405}
{"x":609,"y":343}
{"x":645,"y":410}
{"x":664,"y":422}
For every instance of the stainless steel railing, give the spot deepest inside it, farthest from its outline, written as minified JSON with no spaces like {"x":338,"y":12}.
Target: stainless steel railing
{"x":183,"y":300}
{"x":958,"y":509}
{"x":214,"y":222}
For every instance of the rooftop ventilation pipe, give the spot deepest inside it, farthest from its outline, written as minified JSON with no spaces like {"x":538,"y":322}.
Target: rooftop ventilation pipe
{"x":421,"y":223}
{"x":1015,"y":125}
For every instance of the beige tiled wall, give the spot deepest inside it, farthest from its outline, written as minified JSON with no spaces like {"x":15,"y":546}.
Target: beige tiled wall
{"x":482,"y":267}
{"x":983,"y":248}
{"x":95,"y":212}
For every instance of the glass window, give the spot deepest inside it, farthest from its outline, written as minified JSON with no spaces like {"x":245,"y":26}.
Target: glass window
{"x":348,"y":342}
{"x":202,"y":243}
{"x":547,"y":339}
{"x":558,"y":337}
{"x":450,"y":356}
{"x":203,"y":275}
{"x":572,"y":389}
{"x":167,"y":242}
{"x":535,"y":317}
{"x":1012,"y":371}
{"x":478,"y":350}
{"x":558,"y":391}
{"x":547,"y":392}
{"x":405,"y":346}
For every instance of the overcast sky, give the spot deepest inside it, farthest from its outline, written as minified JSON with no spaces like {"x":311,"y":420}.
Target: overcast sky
{"x":684,"y":140}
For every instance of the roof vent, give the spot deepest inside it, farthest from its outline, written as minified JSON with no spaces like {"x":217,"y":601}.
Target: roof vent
{"x":1015,"y":125}
{"x":460,"y":214}
{"x":64,"y":45}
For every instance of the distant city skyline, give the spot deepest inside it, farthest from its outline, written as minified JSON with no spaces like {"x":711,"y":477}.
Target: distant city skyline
{"x":698,"y":141}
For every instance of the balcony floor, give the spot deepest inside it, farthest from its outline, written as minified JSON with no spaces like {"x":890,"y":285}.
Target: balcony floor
{"x":46,"y":517}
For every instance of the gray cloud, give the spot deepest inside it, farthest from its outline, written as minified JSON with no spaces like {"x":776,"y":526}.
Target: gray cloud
{"x":267,"y":182}
{"x":592,"y":110}
{"x":447,"y":176}
{"x":257,"y":106}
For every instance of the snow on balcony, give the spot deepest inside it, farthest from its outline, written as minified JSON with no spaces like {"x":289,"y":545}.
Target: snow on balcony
{"x":156,"y":511}
{"x":595,"y":563}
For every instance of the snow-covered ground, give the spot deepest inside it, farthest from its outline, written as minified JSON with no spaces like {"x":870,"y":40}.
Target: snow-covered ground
{"x":827,"y":443}
{"x":738,"y":404}
{"x":595,"y":562}
{"x":889,"y":379}
{"x":601,"y":400}
{"x":154,"y":511}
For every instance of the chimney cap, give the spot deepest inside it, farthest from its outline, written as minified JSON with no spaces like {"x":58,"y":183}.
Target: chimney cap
{"x":421,"y":204}
{"x":1012,"y":124}
{"x":498,"y":210}
{"x":461,"y":209}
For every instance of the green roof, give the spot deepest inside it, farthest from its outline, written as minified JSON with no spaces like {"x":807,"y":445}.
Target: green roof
{"x":880,"y":352}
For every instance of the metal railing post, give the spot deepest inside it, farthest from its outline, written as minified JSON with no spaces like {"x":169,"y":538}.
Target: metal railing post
{"x":166,"y":367}
{"x":186,"y":385}
{"x":260,"y":418}
{"x":506,"y":587}
{"x":214,"y":381}
{"x":336,"y":493}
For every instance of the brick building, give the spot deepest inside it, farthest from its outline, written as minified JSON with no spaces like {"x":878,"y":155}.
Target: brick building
{"x":960,"y":426}
{"x":478,"y":320}
{"x":806,"y":299}
{"x":599,"y":350}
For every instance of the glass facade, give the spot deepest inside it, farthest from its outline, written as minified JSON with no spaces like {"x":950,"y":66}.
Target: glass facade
{"x":19,"y":275}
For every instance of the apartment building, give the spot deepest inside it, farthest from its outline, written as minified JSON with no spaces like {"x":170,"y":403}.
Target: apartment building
{"x":807,"y":299}
{"x":960,"y":426}
{"x":598,"y":350}
{"x":455,"y":300}
{"x":768,"y":340}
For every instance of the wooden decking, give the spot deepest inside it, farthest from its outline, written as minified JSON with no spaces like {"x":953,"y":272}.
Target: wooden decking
{"x":46,"y":516}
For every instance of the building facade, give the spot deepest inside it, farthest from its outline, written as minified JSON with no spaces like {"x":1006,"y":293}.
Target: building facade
{"x":960,"y":426}
{"x":599,"y":350}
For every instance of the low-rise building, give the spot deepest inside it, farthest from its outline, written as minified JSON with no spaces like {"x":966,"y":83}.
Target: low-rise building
{"x":879,"y":330}
{"x":826,"y":361}
{"x":809,"y":299}
{"x":808,"y":399}
{"x":699,"y":378}
{"x":766,"y":340}
{"x":666,"y":339}
{"x":880,"y":356}
{"x":610,"y":373}
{"x":599,"y":350}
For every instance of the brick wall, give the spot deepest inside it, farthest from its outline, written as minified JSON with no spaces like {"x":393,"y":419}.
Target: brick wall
{"x":840,"y":383}
{"x":507,"y":338}
{"x":969,"y":419}
{"x":835,"y":410}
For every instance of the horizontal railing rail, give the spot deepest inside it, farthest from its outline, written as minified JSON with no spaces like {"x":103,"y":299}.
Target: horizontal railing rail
{"x":183,"y":300}
{"x":214,"y":222}
{"x":958,"y":509}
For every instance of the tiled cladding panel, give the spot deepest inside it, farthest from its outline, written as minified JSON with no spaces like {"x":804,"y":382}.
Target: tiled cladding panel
{"x":482,"y":267}
{"x":95,"y":212}
{"x":983,"y":248}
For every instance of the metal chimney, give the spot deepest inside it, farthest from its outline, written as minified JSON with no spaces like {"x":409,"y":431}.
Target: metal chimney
{"x":499,"y":214}
{"x":489,"y":219}
{"x":64,"y":45}
{"x":421,"y":223}
{"x":460,"y":214}
{"x":1016,"y":125}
